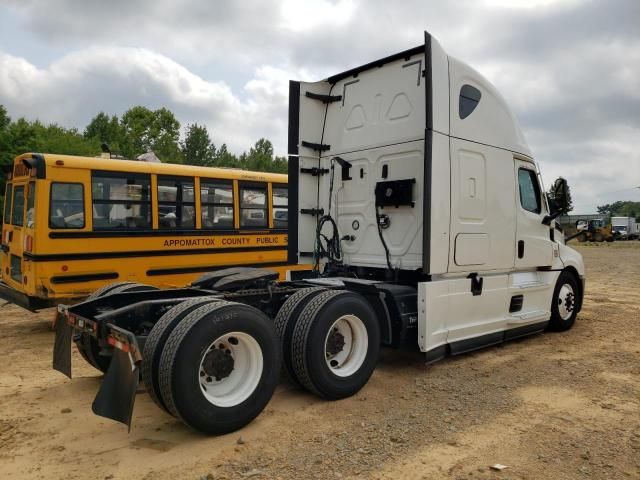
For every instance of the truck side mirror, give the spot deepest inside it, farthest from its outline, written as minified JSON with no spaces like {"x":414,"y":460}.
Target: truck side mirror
{"x":558,"y":199}
{"x":560,"y":195}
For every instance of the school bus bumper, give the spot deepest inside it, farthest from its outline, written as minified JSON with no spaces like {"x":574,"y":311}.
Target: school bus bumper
{"x":23,"y":300}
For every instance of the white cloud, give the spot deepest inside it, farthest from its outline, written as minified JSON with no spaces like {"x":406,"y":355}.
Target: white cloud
{"x":73,"y":89}
{"x":569,"y":68}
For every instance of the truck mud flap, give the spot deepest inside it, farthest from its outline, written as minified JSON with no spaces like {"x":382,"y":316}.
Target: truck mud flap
{"x":117,"y":393}
{"x":62,"y":346}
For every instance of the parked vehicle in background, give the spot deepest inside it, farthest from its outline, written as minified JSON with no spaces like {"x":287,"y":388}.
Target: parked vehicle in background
{"x":596,"y":230}
{"x":417,"y":201}
{"x":625,"y":228}
{"x":73,"y":224}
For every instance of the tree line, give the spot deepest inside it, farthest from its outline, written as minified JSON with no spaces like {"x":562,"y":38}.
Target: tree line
{"x":621,"y":209}
{"x":137,"y":131}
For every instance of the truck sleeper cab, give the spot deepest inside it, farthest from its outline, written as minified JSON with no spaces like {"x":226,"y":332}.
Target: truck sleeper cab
{"x":416,"y":201}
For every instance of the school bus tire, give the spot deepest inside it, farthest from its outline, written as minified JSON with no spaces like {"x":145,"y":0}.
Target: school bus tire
{"x":155,"y":343}
{"x":87,"y":345}
{"x":220,"y":366}
{"x":285,"y":322}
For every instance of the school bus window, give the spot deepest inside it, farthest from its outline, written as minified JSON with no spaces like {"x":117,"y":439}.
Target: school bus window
{"x":17,"y":215}
{"x":176,"y":203}
{"x":253,"y":207}
{"x":121,"y":201}
{"x":280,"y":203}
{"x":216,"y":201}
{"x":31,"y":201}
{"x":7,"y":202}
{"x":66,"y":207}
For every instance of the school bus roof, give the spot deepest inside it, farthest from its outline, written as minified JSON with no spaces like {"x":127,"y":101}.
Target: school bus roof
{"x":52,"y":160}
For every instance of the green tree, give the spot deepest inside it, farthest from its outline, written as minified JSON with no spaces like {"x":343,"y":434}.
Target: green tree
{"x":224,"y":158}
{"x":197,"y":148}
{"x":621,"y":209}
{"x":106,"y":130}
{"x":260,"y":158}
{"x":156,"y":130}
{"x":5,"y":147}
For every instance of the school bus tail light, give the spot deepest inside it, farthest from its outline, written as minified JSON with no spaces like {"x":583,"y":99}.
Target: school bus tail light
{"x":28,"y":243}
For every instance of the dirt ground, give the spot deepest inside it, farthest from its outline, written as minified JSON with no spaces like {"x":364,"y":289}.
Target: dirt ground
{"x":552,"y":406}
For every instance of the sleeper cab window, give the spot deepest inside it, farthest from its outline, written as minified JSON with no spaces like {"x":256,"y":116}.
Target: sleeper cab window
{"x":529,"y":190}
{"x":121,"y":201}
{"x":216,"y":200}
{"x":280,"y":204}
{"x":469,"y":99}
{"x":66,"y":205}
{"x":176,"y":202}
{"x":253,"y":206}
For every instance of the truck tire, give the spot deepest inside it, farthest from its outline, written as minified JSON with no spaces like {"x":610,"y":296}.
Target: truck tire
{"x":220,"y":366}
{"x":335,"y":344}
{"x":155,"y":343}
{"x":598,"y":237}
{"x":564,"y":302}
{"x":87,"y":345}
{"x":285,"y":322}
{"x":582,"y":237}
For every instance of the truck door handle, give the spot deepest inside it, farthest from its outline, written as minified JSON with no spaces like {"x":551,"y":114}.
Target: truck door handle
{"x":10,"y":236}
{"x":520,"y":248}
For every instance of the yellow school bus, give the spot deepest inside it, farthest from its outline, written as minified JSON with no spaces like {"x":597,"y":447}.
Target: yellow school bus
{"x":72,"y":224}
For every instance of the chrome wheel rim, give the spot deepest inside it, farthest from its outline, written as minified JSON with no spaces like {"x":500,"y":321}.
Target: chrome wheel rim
{"x":566,"y":301}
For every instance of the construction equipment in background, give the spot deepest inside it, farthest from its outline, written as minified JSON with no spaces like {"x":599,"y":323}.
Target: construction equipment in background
{"x":593,"y":231}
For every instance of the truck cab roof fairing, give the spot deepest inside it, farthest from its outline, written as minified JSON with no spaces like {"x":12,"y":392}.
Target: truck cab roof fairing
{"x":492,"y":121}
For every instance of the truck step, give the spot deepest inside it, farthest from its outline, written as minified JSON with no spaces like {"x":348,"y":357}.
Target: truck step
{"x":527,"y":317}
{"x":533,"y":285}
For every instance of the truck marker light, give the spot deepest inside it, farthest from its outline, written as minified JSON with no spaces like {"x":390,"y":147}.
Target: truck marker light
{"x":65,"y":268}
{"x":118,"y":344}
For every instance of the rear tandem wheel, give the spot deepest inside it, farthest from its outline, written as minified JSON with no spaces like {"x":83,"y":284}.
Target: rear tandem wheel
{"x":219,"y":367}
{"x":155,"y":343}
{"x":285,"y":323}
{"x":335,"y":344}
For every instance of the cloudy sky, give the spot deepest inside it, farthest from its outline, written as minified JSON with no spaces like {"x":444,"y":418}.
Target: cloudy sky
{"x":569,"y":68}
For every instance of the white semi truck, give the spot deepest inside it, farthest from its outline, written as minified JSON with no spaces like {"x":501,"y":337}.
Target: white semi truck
{"x":625,"y":228}
{"x":419,"y":205}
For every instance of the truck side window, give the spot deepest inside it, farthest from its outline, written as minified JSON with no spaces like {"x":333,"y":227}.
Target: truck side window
{"x":469,"y":99}
{"x":529,"y":190}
